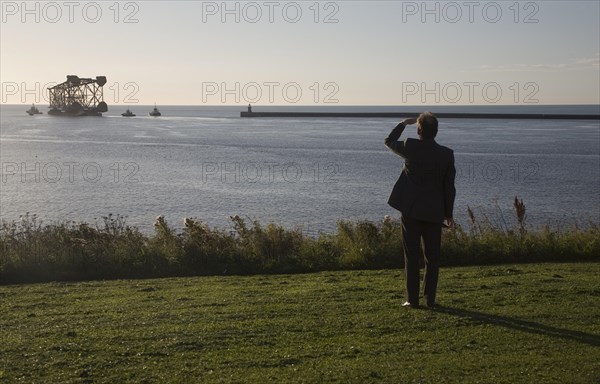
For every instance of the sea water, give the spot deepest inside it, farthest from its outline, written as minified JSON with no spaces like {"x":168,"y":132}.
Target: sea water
{"x":208,"y":163}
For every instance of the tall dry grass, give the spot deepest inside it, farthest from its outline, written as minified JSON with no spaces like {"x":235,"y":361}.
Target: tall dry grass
{"x":31,"y":251}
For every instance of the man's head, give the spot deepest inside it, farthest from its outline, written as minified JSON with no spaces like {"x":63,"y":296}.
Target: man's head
{"x":427,"y":125}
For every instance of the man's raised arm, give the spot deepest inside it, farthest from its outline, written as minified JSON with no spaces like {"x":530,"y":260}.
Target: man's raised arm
{"x":392,"y":140}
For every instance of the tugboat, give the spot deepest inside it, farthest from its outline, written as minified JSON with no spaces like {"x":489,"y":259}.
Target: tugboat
{"x":128,"y":113}
{"x":33,"y":110}
{"x":155,"y":112}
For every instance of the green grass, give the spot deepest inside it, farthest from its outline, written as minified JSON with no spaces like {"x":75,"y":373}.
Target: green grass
{"x":497,"y":324}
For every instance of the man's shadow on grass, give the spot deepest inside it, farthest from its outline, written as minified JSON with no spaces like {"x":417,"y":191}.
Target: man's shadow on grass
{"x":522,"y":325}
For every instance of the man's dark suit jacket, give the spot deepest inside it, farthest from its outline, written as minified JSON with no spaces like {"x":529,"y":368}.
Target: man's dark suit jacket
{"x":425,"y":189}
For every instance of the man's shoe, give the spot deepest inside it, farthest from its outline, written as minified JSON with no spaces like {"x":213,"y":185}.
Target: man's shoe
{"x":408,"y":304}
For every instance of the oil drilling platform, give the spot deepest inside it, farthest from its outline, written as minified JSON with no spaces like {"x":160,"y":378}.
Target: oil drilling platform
{"x":78,"y":97}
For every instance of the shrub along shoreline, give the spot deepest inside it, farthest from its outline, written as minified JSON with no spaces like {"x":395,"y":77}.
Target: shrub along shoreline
{"x":32,"y":252}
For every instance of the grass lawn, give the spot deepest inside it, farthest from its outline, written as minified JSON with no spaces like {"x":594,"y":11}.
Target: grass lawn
{"x":498,"y":324}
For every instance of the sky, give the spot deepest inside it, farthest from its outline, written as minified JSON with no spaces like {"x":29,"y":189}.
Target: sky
{"x":306,"y":52}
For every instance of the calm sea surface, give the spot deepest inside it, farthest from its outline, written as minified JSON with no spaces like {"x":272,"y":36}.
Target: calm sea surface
{"x":208,"y":163}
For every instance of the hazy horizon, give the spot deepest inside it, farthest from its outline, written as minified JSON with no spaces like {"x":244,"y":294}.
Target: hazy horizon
{"x":245,"y":106}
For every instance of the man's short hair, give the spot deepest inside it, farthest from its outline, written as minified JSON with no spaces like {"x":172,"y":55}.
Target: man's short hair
{"x":428,"y":125}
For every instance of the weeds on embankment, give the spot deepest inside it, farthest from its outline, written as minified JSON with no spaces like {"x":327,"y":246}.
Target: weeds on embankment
{"x":34,"y":252}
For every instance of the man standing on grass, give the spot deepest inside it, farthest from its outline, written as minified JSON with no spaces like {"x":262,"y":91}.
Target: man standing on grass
{"x":424,"y":194}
